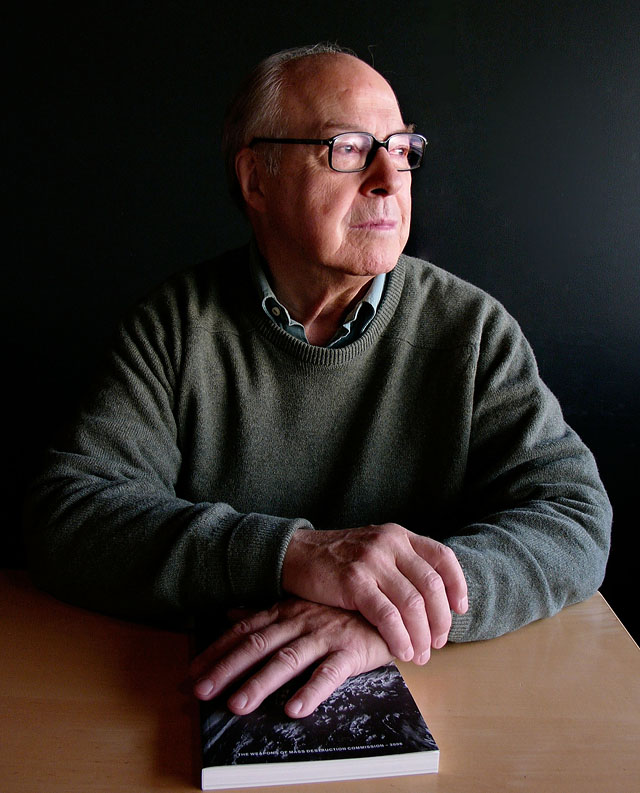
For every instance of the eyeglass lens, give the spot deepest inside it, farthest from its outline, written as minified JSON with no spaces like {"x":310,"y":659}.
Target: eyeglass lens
{"x":351,"y":151}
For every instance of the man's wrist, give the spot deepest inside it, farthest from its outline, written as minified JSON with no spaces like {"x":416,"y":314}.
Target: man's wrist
{"x":291,"y":561}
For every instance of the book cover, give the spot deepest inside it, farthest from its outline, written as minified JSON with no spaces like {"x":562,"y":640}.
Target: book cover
{"x":369,"y":727}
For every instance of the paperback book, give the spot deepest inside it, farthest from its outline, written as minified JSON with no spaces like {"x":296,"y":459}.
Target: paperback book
{"x":370,"y":727}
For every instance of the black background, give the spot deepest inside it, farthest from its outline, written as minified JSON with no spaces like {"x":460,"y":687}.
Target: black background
{"x":530,"y":189}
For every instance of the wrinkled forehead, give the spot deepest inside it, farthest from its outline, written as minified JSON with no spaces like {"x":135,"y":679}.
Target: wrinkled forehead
{"x":333,"y":93}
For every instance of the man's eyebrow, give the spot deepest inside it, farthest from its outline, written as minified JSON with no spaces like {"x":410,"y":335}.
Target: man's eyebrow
{"x":343,"y":126}
{"x":338,"y":126}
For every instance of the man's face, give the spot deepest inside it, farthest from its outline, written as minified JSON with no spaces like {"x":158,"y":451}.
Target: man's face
{"x":312,"y":216}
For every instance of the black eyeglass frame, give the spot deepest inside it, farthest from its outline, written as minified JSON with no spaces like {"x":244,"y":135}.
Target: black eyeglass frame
{"x":376,"y":144}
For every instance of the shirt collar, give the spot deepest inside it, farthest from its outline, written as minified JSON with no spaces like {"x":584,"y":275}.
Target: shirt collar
{"x":354,"y":324}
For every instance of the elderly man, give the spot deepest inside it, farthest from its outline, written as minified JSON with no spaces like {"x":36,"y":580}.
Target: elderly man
{"x":265,"y":417}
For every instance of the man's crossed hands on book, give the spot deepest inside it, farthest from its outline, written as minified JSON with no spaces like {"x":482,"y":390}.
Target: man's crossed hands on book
{"x":359,"y":598}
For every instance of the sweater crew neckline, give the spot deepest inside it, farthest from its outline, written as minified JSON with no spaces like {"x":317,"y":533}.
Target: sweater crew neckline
{"x":333,"y":356}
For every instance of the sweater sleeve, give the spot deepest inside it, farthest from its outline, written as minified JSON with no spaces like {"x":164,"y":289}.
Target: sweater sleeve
{"x":537,"y":528}
{"x":104,"y":525}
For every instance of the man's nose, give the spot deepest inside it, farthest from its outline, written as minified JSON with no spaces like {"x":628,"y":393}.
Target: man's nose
{"x":382,"y":177}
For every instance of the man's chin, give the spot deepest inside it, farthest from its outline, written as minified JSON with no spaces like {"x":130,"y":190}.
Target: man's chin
{"x":365,"y":268}
{"x":377,"y":264}
{"x":368,"y":261}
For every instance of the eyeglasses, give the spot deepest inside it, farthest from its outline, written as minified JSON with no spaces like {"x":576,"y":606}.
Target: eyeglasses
{"x":350,"y":152}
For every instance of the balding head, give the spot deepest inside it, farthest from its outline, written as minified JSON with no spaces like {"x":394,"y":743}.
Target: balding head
{"x":258,"y":109}
{"x":308,"y":216}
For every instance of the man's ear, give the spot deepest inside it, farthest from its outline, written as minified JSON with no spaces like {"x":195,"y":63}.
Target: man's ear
{"x":249,"y":175}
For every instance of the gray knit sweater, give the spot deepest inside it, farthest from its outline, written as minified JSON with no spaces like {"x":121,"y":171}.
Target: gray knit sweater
{"x":213,"y":435}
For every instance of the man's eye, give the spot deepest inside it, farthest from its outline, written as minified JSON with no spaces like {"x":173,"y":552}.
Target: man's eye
{"x":347,"y":148}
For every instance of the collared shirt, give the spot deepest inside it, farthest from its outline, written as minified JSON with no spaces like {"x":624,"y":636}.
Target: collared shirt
{"x":353,"y":326}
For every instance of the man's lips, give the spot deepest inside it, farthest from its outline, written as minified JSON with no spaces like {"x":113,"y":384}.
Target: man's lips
{"x":382,"y":224}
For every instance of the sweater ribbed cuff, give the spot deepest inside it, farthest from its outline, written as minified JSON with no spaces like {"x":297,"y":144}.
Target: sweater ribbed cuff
{"x":256,"y":552}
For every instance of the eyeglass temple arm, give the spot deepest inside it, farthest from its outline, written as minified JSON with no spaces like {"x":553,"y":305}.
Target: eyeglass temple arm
{"x":324,"y":142}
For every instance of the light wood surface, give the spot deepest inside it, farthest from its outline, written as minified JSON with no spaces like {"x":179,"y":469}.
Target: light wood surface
{"x":89,"y":703}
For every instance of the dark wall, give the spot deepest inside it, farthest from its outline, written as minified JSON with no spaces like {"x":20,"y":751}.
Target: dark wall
{"x":531,"y":186}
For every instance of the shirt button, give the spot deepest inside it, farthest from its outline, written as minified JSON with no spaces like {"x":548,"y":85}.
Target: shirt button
{"x":275,"y":311}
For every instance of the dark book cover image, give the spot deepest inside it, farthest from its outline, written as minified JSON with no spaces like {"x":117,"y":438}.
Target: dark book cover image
{"x":369,"y":727}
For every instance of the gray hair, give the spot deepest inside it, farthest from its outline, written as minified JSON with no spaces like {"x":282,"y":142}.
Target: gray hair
{"x":257,"y":109}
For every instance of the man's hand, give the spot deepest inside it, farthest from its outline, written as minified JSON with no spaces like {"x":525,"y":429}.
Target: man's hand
{"x":401,"y":582}
{"x":282,"y":642}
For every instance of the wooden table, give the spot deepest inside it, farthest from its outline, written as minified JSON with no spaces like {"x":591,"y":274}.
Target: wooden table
{"x":89,"y":703}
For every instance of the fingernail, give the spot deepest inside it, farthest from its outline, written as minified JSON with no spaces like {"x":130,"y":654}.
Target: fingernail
{"x":423,"y":658}
{"x":294,"y":707}
{"x":203,"y":687}
{"x":439,"y":642}
{"x":407,"y":655}
{"x":464,"y":605}
{"x":238,"y":700}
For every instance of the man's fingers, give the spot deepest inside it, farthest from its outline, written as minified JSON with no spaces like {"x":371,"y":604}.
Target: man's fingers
{"x":377,"y":608}
{"x":446,"y":564}
{"x":237,"y":652}
{"x":432,"y":590}
{"x":288,"y":662}
{"x":330,"y":674}
{"x":409,"y":608}
{"x":246,"y":623}
{"x":412,"y":607}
